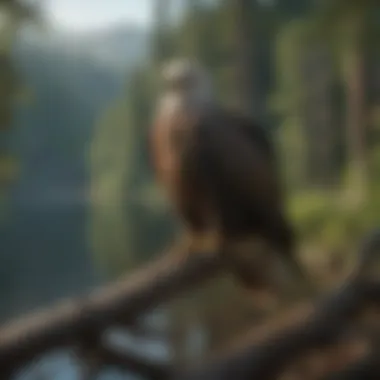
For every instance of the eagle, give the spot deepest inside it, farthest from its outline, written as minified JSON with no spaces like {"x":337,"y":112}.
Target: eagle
{"x":218,"y":168}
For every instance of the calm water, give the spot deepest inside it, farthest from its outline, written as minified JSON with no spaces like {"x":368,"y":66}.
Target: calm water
{"x":64,"y":365}
{"x":45,"y":258}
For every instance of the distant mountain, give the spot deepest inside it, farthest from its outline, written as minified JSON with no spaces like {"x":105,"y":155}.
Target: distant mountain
{"x":73,"y":78}
{"x":119,"y":46}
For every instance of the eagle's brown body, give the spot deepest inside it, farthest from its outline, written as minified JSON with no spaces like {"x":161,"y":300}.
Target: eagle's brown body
{"x":218,"y":168}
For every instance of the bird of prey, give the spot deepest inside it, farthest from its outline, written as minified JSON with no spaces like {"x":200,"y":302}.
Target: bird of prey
{"x":219,"y":170}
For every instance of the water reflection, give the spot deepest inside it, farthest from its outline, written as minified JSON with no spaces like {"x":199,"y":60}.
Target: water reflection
{"x":64,"y":365}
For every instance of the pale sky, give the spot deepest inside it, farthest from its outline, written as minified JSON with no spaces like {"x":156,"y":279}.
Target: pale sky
{"x":81,"y":15}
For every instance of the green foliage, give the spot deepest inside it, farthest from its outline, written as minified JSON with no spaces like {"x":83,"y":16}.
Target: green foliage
{"x":326,"y":220}
{"x":111,"y":165}
{"x":8,"y":170}
{"x":127,"y":222}
{"x":319,"y":218}
{"x":12,"y":14}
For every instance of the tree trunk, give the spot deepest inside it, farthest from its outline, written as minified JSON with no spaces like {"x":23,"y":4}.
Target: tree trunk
{"x":245,"y":97}
{"x":316,"y":110}
{"x":327,"y":136}
{"x":356,"y":124}
{"x":160,"y":44}
{"x":354,"y":65}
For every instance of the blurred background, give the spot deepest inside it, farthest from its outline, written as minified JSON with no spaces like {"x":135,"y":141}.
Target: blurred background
{"x":78,"y":203}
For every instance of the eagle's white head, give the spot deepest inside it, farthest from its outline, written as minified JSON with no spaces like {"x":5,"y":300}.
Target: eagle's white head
{"x":187,"y":80}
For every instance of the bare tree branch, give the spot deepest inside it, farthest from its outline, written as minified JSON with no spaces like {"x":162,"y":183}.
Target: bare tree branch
{"x":265,"y":360}
{"x":70,"y":321}
{"x":364,"y":369}
{"x":82,"y":322}
{"x":314,"y":326}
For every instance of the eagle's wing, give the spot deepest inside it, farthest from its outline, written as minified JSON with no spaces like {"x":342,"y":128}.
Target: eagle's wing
{"x":243,"y":177}
{"x":261,"y":143}
{"x":240,"y":158}
{"x":254,"y":133}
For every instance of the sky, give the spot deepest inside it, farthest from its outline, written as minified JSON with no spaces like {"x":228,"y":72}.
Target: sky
{"x":84,"y":15}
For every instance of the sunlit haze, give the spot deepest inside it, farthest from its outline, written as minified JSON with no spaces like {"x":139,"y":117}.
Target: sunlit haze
{"x":82,"y":15}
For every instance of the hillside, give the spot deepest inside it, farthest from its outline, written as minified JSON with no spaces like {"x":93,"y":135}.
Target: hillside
{"x":44,"y":254}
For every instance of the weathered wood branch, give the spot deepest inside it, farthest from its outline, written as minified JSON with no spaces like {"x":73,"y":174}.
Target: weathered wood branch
{"x":364,"y":369}
{"x":75,"y":322}
{"x":69,"y":322}
{"x":267,"y":359}
{"x":309,"y":327}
